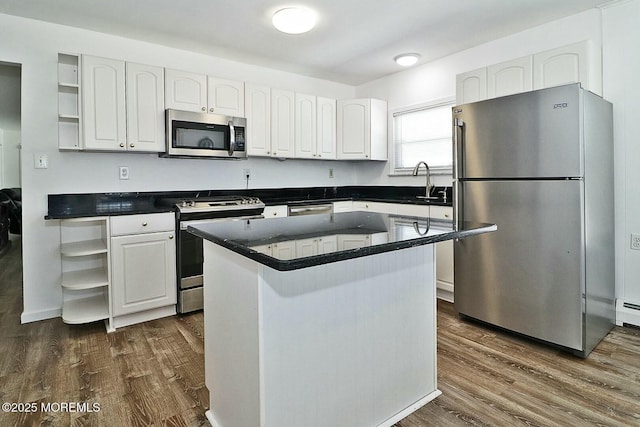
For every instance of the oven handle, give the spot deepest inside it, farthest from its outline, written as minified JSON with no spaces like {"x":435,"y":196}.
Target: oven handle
{"x":185,"y":224}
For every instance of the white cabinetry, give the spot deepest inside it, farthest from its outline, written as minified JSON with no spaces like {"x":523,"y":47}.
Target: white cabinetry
{"x":362,"y":129}
{"x":258,"y":111}
{"x":69,"y":124}
{"x":199,"y":93}
{"x":143,"y":267}
{"x":510,"y":77}
{"x":316,"y":246}
{"x":326,"y":128}
{"x":85,"y":281}
{"x":278,"y":211}
{"x":343,"y":206}
{"x":225,"y":97}
{"x":185,"y":91}
{"x":103,"y":112}
{"x":471,"y":86}
{"x":388,"y":208}
{"x":145,"y":108}
{"x":305,"y":127}
{"x":282,"y":123}
{"x":579,"y":62}
{"x":444,"y":257}
{"x":576,"y":63}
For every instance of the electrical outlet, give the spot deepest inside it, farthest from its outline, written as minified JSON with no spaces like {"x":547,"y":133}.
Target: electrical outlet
{"x":330,"y":172}
{"x":246,"y":174}
{"x":124,"y":172}
{"x":635,"y":241}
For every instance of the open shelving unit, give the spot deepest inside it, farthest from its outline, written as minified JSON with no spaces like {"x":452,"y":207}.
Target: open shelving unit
{"x":86,"y":277}
{"x":69,"y":98}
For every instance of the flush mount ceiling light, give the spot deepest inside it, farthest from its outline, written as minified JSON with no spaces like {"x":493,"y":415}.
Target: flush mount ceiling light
{"x":294,"y":20}
{"x":407,"y":59}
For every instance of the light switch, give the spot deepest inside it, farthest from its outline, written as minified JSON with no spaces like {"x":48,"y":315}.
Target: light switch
{"x":40,"y":161}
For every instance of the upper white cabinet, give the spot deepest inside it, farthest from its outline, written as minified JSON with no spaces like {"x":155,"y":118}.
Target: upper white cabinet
{"x":104,"y":117}
{"x":225,"y":97}
{"x":145,"y":107}
{"x":69,"y":102}
{"x":326,"y":128}
{"x":203,"y":94}
{"x":471,"y":86}
{"x":258,"y":112}
{"x":185,"y":91}
{"x":510,"y":77}
{"x":577,"y":63}
{"x":282,"y":123}
{"x":305,"y":126}
{"x":362,"y":129}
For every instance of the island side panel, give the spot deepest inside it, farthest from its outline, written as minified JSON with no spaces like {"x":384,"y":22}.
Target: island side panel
{"x":351,"y":343}
{"x":231,"y":329}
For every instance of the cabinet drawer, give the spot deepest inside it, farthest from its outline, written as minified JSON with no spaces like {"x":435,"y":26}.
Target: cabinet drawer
{"x":144,"y":223}
{"x":275,"y":211}
{"x":441,"y":212}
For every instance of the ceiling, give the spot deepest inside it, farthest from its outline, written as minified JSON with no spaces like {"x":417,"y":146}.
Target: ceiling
{"x":354,"y":41}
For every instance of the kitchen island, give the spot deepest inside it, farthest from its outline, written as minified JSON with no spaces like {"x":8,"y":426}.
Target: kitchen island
{"x":321,"y":320}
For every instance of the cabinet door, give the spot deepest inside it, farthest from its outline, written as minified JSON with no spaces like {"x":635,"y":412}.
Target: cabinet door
{"x":284,"y":250}
{"x":306,"y":247}
{"x":327,"y":244}
{"x":103,"y":84}
{"x":326,"y":128}
{"x":143,"y":268}
{"x":354,"y":128}
{"x":471,"y":86}
{"x":185,"y":91}
{"x":510,"y":77}
{"x":258,"y":111}
{"x":282,"y":123}
{"x":567,"y":64}
{"x":225,"y":97}
{"x":305,"y":126}
{"x":145,"y":108}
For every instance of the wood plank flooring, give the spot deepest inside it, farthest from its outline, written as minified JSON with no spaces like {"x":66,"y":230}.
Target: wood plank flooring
{"x":153,"y":373}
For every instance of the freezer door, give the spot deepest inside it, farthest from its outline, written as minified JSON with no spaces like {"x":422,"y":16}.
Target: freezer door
{"x":528,"y":276}
{"x":533,"y":134}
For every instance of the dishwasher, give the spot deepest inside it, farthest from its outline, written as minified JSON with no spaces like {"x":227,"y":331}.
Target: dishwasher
{"x":311,"y":209}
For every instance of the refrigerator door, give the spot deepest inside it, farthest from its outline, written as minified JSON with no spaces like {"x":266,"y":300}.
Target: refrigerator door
{"x":533,"y":134}
{"x":528,"y":276}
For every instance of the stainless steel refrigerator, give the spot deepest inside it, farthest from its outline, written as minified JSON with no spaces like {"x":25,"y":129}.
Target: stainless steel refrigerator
{"x":539,"y":165}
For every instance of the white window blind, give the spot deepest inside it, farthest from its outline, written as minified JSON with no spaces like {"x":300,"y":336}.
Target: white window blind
{"x":423,"y":134}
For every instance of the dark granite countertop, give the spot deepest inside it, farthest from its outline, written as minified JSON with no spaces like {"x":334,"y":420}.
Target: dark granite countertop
{"x":110,"y":204}
{"x":375,"y":232}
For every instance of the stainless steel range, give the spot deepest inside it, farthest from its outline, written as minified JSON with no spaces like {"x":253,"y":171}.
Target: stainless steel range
{"x":189,"y":256}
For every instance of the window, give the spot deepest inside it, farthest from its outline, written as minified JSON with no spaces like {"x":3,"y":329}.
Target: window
{"x":422,"y":133}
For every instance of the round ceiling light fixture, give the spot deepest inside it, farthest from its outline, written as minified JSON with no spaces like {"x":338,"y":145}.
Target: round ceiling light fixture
{"x":407,"y":59}
{"x":294,"y":20}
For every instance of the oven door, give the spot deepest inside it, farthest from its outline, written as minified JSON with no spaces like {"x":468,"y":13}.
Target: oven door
{"x":190,"y":264}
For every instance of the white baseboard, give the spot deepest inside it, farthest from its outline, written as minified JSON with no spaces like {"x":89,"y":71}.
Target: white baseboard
{"x":627,"y":312}
{"x":36,"y":316}
{"x":444,"y":291}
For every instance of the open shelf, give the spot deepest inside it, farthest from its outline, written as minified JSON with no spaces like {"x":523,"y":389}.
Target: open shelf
{"x":85,"y":279}
{"x":85,"y":310}
{"x":83,"y":248}
{"x":69,"y":102}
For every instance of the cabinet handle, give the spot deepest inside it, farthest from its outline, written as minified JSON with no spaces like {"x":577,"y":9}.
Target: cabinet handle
{"x":122,"y":145}
{"x":204,"y":109}
{"x":132,"y":145}
{"x":446,"y":215}
{"x":144,"y":224}
{"x":211,"y":110}
{"x":171,"y":237}
{"x":275,"y":213}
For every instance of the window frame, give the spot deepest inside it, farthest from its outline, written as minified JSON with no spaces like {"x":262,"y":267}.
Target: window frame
{"x":393,"y":171}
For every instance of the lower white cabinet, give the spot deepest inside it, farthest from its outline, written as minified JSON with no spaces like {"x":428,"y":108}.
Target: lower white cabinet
{"x":278,"y":211}
{"x":143,"y":267}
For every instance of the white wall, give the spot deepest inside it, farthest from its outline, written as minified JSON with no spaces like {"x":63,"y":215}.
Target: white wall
{"x":621,"y":56}
{"x":437,"y":80}
{"x":9,"y":158}
{"x":35,"y":45}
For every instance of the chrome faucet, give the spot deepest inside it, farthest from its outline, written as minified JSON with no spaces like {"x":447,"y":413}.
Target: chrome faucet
{"x":428,"y":185}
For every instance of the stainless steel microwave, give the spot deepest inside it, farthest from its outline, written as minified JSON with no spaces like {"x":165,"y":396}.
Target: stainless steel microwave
{"x":192,"y":134}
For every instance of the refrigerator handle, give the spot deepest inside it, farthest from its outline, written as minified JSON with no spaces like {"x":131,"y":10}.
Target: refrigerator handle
{"x":458,"y":137}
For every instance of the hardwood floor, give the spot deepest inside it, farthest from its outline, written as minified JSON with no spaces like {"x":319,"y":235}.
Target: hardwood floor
{"x":153,"y":373}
